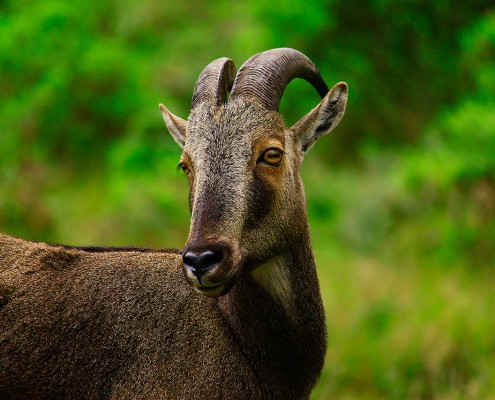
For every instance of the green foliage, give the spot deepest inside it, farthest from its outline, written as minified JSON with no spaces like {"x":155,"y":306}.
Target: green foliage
{"x":401,"y":199}
{"x":451,"y":175}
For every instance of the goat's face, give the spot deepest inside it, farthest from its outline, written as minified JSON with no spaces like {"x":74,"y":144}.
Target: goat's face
{"x":241,"y":168}
{"x":246,"y":198}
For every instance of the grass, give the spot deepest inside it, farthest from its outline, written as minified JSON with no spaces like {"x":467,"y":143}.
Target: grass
{"x":405,"y":331}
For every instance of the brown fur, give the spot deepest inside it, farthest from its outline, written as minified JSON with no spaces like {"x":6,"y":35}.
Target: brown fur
{"x":124,"y":325}
{"x":96,"y":323}
{"x":119,"y":325}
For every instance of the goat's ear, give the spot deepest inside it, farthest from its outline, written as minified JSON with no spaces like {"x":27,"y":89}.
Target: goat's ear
{"x":322,"y":119}
{"x":176,"y":126}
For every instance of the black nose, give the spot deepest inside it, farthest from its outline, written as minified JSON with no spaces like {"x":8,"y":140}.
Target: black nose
{"x":200,"y":262}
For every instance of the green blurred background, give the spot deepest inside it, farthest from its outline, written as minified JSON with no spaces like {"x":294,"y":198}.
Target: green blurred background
{"x":401,"y":196}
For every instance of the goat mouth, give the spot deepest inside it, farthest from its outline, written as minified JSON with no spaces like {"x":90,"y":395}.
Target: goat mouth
{"x":213,"y":284}
{"x":214,"y":289}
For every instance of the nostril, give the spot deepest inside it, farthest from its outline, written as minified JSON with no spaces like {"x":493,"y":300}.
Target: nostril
{"x":190,"y":259}
{"x":200,"y":262}
{"x":211,"y":258}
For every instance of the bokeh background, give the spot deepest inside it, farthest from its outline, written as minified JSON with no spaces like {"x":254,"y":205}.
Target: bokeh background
{"x":401,"y":196}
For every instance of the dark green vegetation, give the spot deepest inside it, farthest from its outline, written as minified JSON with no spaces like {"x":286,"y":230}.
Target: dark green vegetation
{"x":401,"y":197}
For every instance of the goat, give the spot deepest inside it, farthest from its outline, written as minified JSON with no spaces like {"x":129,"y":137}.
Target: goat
{"x":117,"y":323}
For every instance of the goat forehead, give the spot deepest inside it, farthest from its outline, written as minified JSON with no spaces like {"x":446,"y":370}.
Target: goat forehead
{"x":227,"y":133}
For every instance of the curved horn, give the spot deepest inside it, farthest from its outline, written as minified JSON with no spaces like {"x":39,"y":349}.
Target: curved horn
{"x":265,"y":76}
{"x":214,"y":82}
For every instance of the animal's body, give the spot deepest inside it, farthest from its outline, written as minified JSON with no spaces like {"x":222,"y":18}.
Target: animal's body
{"x":96,"y":323}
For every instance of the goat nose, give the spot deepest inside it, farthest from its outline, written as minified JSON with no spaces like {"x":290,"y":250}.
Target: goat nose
{"x":201,"y":262}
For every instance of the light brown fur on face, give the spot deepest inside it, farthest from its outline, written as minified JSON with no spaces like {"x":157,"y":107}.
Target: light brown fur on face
{"x":237,"y":314}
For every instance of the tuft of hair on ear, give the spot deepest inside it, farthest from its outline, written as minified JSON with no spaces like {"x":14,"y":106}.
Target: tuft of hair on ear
{"x":176,"y":125}
{"x":332,"y":109}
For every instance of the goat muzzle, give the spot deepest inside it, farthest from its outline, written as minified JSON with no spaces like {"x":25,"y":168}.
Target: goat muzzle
{"x":210,"y":268}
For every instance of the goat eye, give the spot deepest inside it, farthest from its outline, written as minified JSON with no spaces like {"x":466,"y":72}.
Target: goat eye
{"x":183,"y":166}
{"x":271,"y":156}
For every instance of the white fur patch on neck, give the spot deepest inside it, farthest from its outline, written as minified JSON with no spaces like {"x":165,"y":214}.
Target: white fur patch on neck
{"x":274,"y":278}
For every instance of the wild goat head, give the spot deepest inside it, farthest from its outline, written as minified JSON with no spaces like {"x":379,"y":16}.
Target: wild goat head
{"x":246,"y":197}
